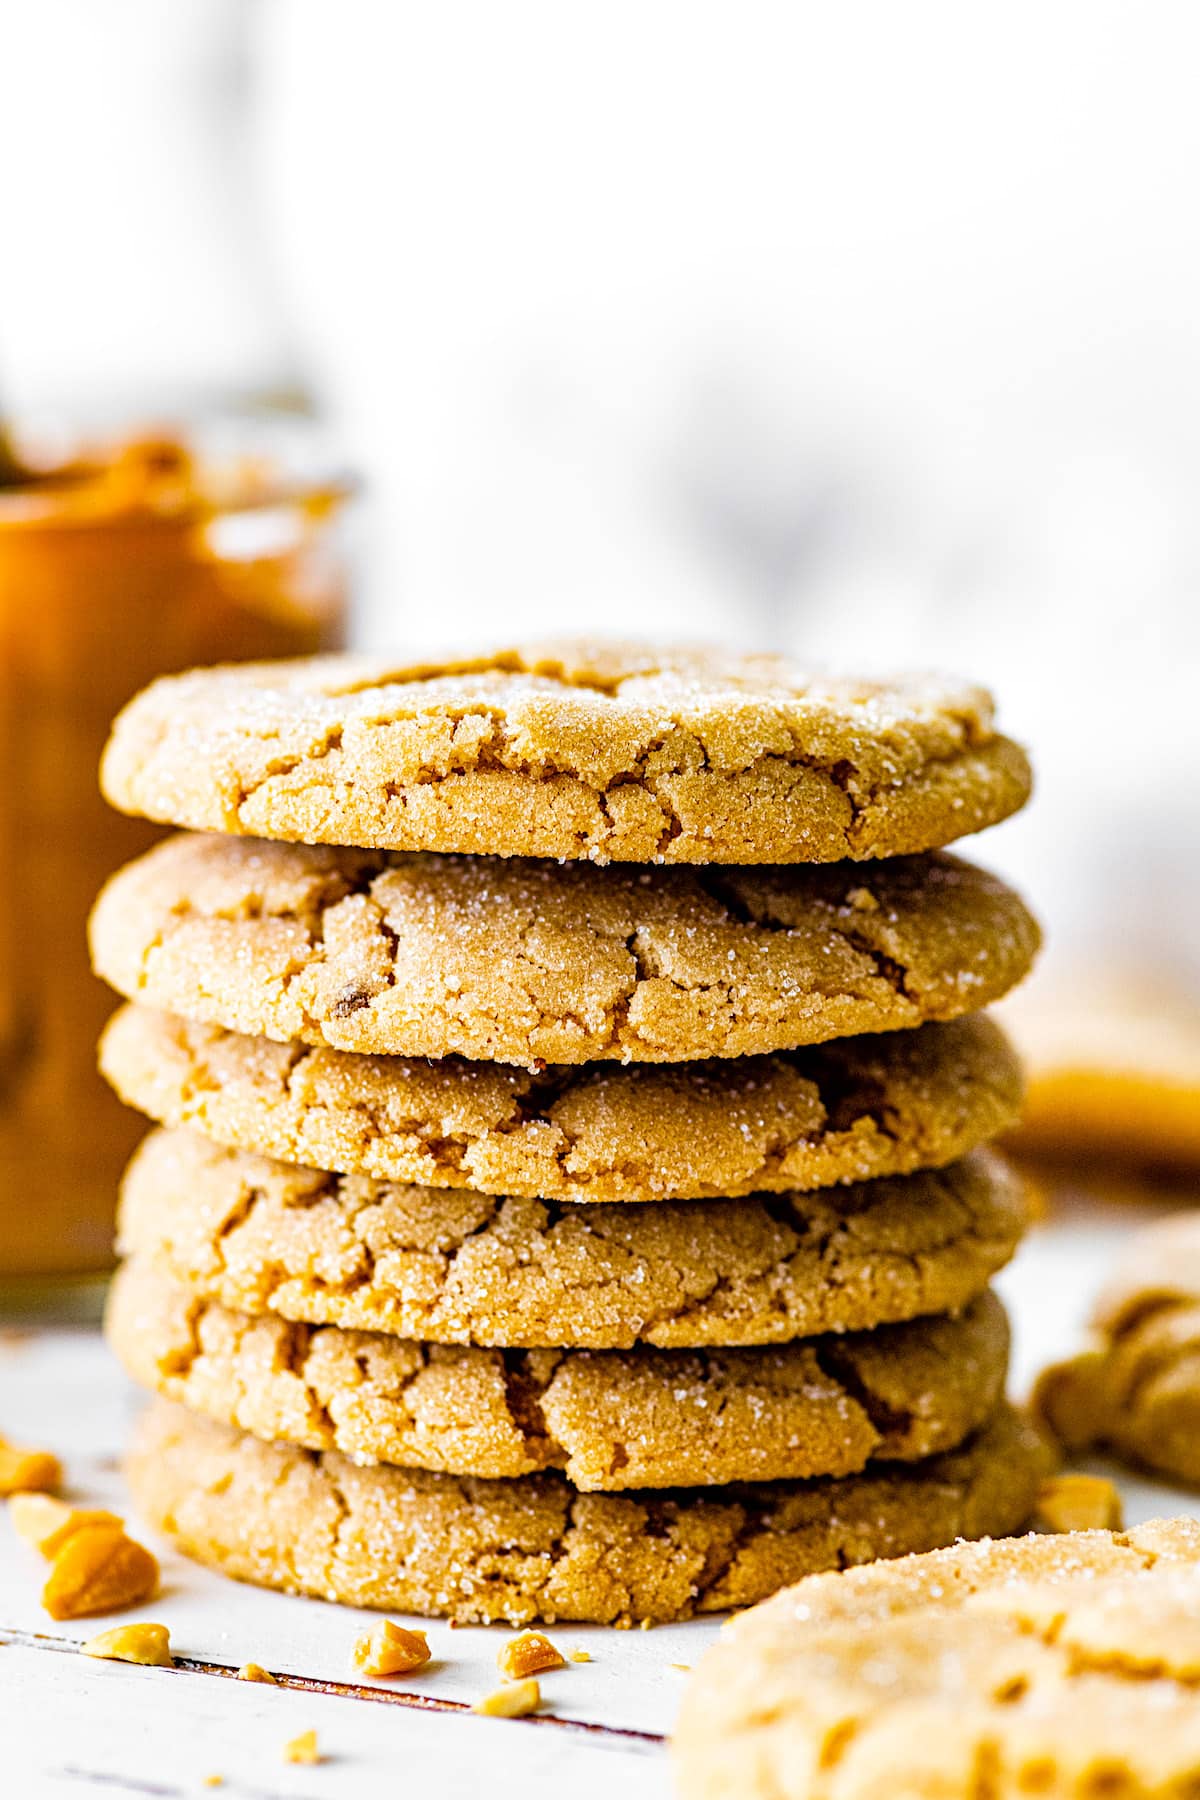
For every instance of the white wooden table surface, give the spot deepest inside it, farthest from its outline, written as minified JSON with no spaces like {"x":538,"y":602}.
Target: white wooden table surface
{"x":71,"y":1726}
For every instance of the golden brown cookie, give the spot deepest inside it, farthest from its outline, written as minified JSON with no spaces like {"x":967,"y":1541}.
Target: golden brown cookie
{"x":460,"y":1267}
{"x":1060,"y":1666}
{"x":1137,"y":1391}
{"x":616,"y":751}
{"x":1114,"y":1075}
{"x":610,"y":1419}
{"x":521,"y":962}
{"x":534,"y":1548}
{"x":839,"y":1112}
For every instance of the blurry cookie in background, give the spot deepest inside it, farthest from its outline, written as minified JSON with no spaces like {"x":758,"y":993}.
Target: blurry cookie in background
{"x":1113,"y":1074}
{"x":1135,"y":1391}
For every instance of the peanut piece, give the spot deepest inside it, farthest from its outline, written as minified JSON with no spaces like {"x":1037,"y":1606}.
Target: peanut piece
{"x":99,"y":1570}
{"x":302,"y":1749}
{"x":149,"y":1644}
{"x":387,"y":1649}
{"x":28,"y":1469}
{"x":46,"y":1523}
{"x":1078,"y":1503}
{"x":529,"y":1653}
{"x":256,"y":1672}
{"x":514,"y":1701}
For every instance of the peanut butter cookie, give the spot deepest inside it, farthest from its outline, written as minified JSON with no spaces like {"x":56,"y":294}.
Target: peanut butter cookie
{"x":1137,"y":1391}
{"x":622,"y":752}
{"x":535,"y":1548}
{"x":529,"y":963}
{"x":1045,"y":1665}
{"x":1113,"y":1075}
{"x":610,"y":1419}
{"x":839,"y":1112}
{"x":461,"y":1267}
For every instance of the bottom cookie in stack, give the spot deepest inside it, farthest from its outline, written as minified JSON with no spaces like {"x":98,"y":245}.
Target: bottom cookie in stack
{"x":711,"y":1447}
{"x":484,"y":1551}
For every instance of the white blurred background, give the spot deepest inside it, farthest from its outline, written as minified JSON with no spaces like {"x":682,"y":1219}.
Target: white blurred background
{"x":869,"y":332}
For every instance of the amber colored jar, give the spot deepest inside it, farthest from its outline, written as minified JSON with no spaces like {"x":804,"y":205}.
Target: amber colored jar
{"x":119,"y":565}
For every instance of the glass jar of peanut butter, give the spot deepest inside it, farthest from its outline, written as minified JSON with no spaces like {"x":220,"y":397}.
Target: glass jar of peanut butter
{"x":117,"y":563}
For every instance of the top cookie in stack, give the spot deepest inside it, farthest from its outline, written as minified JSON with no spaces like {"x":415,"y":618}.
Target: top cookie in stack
{"x":360,"y":971}
{"x":617,"y":753}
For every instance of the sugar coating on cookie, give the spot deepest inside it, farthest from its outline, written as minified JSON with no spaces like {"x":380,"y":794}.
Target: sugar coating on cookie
{"x":846,"y":1111}
{"x":451,"y":1266}
{"x":1062,"y":1665}
{"x":535,"y":1548}
{"x":609,"y":1419}
{"x":535,"y":962}
{"x":612,"y":752}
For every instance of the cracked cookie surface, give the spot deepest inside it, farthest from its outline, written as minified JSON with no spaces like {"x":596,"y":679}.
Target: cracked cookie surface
{"x":845,"y":1111}
{"x":535,"y":1548}
{"x":451,"y":1266}
{"x":609,"y":1419}
{"x":1061,"y":1665}
{"x":613,"y":752}
{"x":532,"y":962}
{"x":1136,"y":1392}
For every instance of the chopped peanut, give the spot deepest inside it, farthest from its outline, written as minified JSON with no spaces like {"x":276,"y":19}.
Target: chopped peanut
{"x":513,"y":1701}
{"x":581,"y":1656}
{"x":1078,"y":1503}
{"x":529,"y":1653}
{"x":150,"y":1644}
{"x":302,"y":1749}
{"x":387,"y":1649}
{"x":47,"y":1523}
{"x":28,"y":1469}
{"x":256,"y":1672}
{"x":99,"y":1570}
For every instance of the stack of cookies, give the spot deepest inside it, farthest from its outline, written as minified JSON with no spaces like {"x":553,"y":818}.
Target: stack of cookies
{"x":568,"y":1200}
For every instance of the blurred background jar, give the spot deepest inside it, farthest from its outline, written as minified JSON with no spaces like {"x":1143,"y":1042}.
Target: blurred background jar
{"x":137,"y":285}
{"x":119,"y":561}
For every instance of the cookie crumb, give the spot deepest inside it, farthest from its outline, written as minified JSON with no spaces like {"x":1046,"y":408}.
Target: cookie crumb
{"x":529,"y":1653}
{"x":214,"y":1781}
{"x":255,"y":1672}
{"x":681,"y":1668}
{"x":147,"y":1644}
{"x":516,"y":1700}
{"x":1079,"y":1503}
{"x":388,"y":1649}
{"x":302,"y":1749}
{"x":580,"y":1656}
